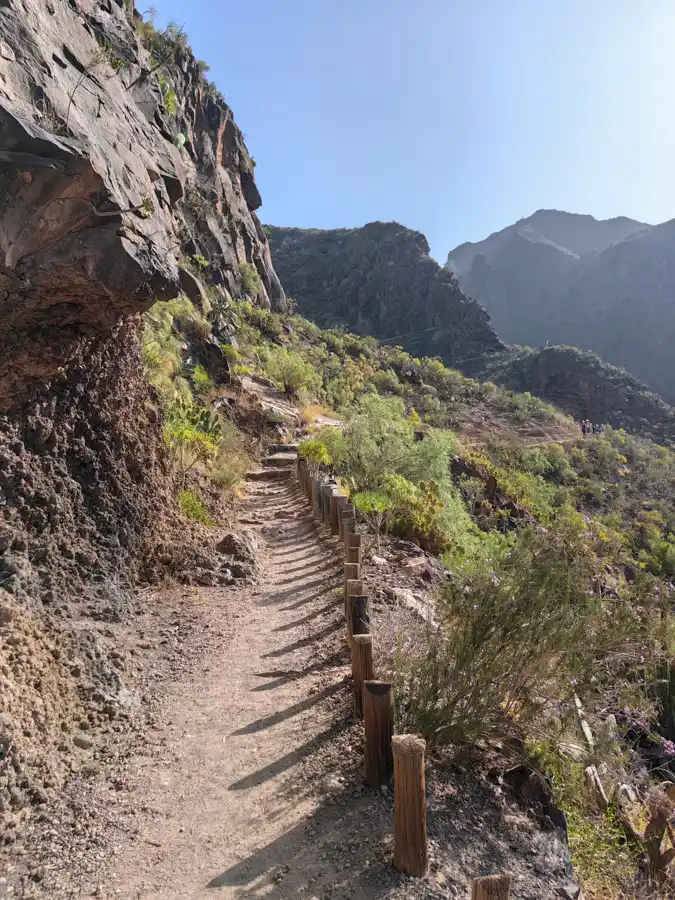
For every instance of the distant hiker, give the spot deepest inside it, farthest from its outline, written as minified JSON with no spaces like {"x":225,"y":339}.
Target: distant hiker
{"x":583,"y":427}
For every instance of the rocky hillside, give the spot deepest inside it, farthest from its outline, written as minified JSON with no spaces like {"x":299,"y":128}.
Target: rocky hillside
{"x":123,"y":176}
{"x":584,"y":386}
{"x":380,"y":280}
{"x":604,"y":286}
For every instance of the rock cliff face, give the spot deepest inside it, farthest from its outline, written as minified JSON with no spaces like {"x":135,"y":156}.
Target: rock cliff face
{"x":603,"y":286}
{"x":97,"y":201}
{"x":116,"y":173}
{"x":380,"y":280}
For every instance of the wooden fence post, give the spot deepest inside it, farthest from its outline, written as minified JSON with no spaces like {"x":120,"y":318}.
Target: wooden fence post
{"x":326,"y":491}
{"x":316,"y":505}
{"x":362,"y":667}
{"x":352,"y":586}
{"x":410,"y":805}
{"x":378,"y":723}
{"x":334,"y":526}
{"x":352,"y":570}
{"x":352,"y":574}
{"x":358,"y":616}
{"x":354,"y":539}
{"x":353,"y":555}
{"x":492,"y":887}
{"x":348,"y":521}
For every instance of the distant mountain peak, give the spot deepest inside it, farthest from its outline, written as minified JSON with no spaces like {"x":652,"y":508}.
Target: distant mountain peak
{"x":605,"y":285}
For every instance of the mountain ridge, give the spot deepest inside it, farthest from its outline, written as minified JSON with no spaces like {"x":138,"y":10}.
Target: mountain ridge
{"x":614,"y":299}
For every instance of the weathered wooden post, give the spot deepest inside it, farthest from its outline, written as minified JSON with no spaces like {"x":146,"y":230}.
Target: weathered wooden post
{"x":353,"y":554}
{"x":334,"y":521}
{"x":378,"y":723}
{"x":326,"y":491}
{"x":354,"y":539}
{"x":410,"y":805}
{"x":352,"y":586}
{"x":352,"y":573}
{"x":352,"y":570}
{"x":348,"y":521}
{"x":316,"y":497}
{"x":341,"y":503}
{"x":353,"y":547}
{"x":358,"y":616}
{"x":492,"y":887}
{"x":362,"y":667}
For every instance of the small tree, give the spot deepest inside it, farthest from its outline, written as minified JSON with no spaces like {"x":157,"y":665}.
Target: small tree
{"x":374,"y":506}
{"x":381,"y":506}
{"x":315,"y":454}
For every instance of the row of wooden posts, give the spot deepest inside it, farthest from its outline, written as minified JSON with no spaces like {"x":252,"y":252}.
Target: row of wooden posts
{"x":385,"y":752}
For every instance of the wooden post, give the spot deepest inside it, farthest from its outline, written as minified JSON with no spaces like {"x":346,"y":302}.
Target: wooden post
{"x":326,"y":491}
{"x":352,"y":579}
{"x":358,"y":616}
{"x":362,"y":667}
{"x":348,"y":521}
{"x":334,"y":526}
{"x":341,"y":504}
{"x":353,"y":555}
{"x":410,"y":805}
{"x":378,"y":723}
{"x":492,"y":887}
{"x":354,"y":539}
{"x":352,"y":570}
{"x":316,"y":503}
{"x":352,"y":586}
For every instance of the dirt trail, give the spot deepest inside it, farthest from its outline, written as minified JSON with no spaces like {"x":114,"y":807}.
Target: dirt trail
{"x":227,"y":784}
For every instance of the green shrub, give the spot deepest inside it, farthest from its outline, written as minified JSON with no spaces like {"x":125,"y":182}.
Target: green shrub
{"x":232,"y":462}
{"x":250,"y":279}
{"x":315,"y":454}
{"x":386,"y":382}
{"x":201,"y":380}
{"x":193,"y":507}
{"x":290,"y":371}
{"x":192,"y":435}
{"x":505,"y":617}
{"x":164,"y":324}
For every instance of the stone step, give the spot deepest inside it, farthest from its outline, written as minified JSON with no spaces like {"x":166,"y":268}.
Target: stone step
{"x":270,"y":474}
{"x":279,"y":460}
{"x":282,"y":448}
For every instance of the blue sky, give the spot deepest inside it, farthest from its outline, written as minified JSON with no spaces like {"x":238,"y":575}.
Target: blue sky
{"x":454,"y":117}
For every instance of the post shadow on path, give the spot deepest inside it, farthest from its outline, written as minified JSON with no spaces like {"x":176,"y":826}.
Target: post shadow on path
{"x":334,"y":661}
{"x":287,"y":760}
{"x":304,"y":642}
{"x":283,"y":714}
{"x":326,"y":583}
{"x":329,"y":588}
{"x":296,"y":623}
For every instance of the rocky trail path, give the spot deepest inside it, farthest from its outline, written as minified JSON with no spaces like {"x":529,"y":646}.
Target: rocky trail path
{"x":227,"y":792}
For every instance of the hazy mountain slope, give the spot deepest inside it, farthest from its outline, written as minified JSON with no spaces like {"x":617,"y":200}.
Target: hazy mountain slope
{"x":621,"y":304}
{"x":605,"y":286}
{"x":380,"y":280}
